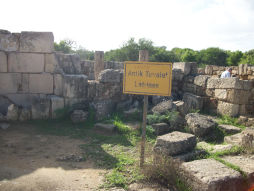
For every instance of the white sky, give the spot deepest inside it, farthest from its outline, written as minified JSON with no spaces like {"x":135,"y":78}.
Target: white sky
{"x":106,"y":24}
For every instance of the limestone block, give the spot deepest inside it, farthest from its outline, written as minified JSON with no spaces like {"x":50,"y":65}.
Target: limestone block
{"x":238,"y":96}
{"x":106,"y":127}
{"x":174,"y":143}
{"x":76,"y":103}
{"x":25,"y":114}
{"x":200,"y":125}
{"x":68,"y":63}
{"x":3,"y":62}
{"x":9,"y":41}
{"x":209,"y":70}
{"x":75,"y":86}
{"x":91,"y":89}
{"x":109,"y":76}
{"x":192,"y":102}
{"x":79,"y":116}
{"x":163,"y":107}
{"x":24,"y":86}
{"x":56,"y":103}
{"x":226,"y":108}
{"x":103,"y":108}
{"x":99,"y":63}
{"x":36,"y":42}
{"x":113,"y":65}
{"x":185,"y":67}
{"x":161,"y":128}
{"x":4,"y":104}
{"x":51,"y":64}
{"x":230,"y":129}
{"x":9,"y":82}
{"x":40,"y":107}
{"x":41,"y":83}
{"x":177,"y":74}
{"x":201,"y":80}
{"x":211,"y":175}
{"x":13,"y":113}
{"x":221,"y":94}
{"x":58,"y":84}
{"x":26,"y":62}
{"x":108,"y":91}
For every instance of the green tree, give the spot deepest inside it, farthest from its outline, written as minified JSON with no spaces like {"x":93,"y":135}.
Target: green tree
{"x":160,"y":54}
{"x":213,"y":56}
{"x":248,"y":57}
{"x":234,"y":58}
{"x":66,"y":46}
{"x":85,"y":54}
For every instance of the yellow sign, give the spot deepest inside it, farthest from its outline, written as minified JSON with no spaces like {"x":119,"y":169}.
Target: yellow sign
{"x":147,"y":78}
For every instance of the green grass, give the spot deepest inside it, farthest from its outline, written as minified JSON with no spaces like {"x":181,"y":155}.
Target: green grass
{"x":227,"y":120}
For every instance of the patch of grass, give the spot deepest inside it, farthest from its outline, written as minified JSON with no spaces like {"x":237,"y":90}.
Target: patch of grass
{"x":169,"y":117}
{"x":227,"y":120}
{"x":181,"y":186}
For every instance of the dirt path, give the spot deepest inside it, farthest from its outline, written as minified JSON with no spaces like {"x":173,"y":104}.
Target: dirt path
{"x":30,"y":161}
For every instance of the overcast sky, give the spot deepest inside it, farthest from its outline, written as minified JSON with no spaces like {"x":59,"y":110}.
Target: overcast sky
{"x":106,"y":24}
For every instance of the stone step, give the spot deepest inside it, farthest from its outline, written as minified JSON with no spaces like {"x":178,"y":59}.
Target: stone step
{"x":230,"y":129}
{"x":211,"y":175}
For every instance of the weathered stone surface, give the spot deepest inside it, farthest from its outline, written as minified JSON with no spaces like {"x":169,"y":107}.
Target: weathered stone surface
{"x":189,"y":156}
{"x":9,"y":82}
{"x":185,"y":67}
{"x":228,"y":83}
{"x":40,"y":107}
{"x":102,"y":108}
{"x":24,"y":86}
{"x":75,"y":86}
{"x":87,"y":68}
{"x":161,"y":128}
{"x":124,"y":105}
{"x":26,"y":62}
{"x":77,"y":103}
{"x":104,"y":126}
{"x":214,"y":148}
{"x":146,"y":187}
{"x":163,"y":107}
{"x":13,"y":113}
{"x":23,"y":100}
{"x":109,"y":76}
{"x":200,"y":125}
{"x":239,"y":138}
{"x":57,"y":103}
{"x":3,"y":62}
{"x":180,"y":107}
{"x":25,"y":114}
{"x":192,"y":102}
{"x":209,"y":70}
{"x":174,"y":143}
{"x":230,"y":129}
{"x":91,"y":89}
{"x":221,"y":94}
{"x":229,"y":109}
{"x":51,"y":64}
{"x":211,"y":175}
{"x":58,"y":84}
{"x":41,"y":83}
{"x":4,"y":104}
{"x":113,"y":65}
{"x":79,"y":116}
{"x":2,"y":117}
{"x":246,"y":163}
{"x":177,"y":74}
{"x":99,"y":63}
{"x":201,"y":80}
{"x":9,"y":41}
{"x":234,"y":139}
{"x":4,"y":126}
{"x":69,"y":63}
{"x":132,"y":113}
{"x":238,"y":96}
{"x":36,"y":42}
{"x":108,"y":91}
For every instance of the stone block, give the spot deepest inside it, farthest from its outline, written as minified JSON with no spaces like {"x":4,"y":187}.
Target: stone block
{"x":76,"y":103}
{"x":106,"y":127}
{"x":192,"y":102}
{"x":211,"y":175}
{"x":91,"y":89}
{"x":161,"y":128}
{"x":200,"y":125}
{"x":56,"y":103}
{"x":25,"y":114}
{"x":24,"y":86}
{"x":79,"y":116}
{"x":103,"y":108}
{"x":9,"y":41}
{"x":230,"y":129}
{"x":185,"y":67}
{"x":221,"y":94}
{"x":99,"y":63}
{"x":36,"y":42}
{"x":201,"y":80}
{"x":3,"y":62}
{"x":163,"y":107}
{"x":108,"y":91}
{"x":69,"y":63}
{"x":13,"y":113}
{"x":26,"y":62}
{"x":4,"y":104}
{"x":9,"y":82}
{"x":229,"y":109}
{"x":109,"y":76}
{"x":52,"y":65}
{"x":58,"y":84}
{"x":238,"y":96}
{"x":177,"y":74}
{"x":40,"y":107}
{"x":75,"y":86}
{"x":41,"y":83}
{"x":209,"y":70}
{"x":174,"y":143}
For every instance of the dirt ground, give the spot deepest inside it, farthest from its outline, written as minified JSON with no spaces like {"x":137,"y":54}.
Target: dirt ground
{"x":37,"y":162}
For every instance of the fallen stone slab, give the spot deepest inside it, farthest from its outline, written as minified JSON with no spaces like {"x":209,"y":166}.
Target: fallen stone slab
{"x":239,"y":138}
{"x":163,"y":107}
{"x":175,"y":143}
{"x":230,"y":129}
{"x":161,"y":128}
{"x":4,"y":126}
{"x":214,"y":148}
{"x":146,"y":187}
{"x":200,"y":125}
{"x":211,"y":175}
{"x":192,"y":155}
{"x":104,"y":126}
{"x":79,"y":116}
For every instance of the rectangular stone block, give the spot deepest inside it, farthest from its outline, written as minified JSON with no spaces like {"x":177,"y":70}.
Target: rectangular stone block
{"x":75,"y":86}
{"x":42,"y":42}
{"x":211,"y":175}
{"x":56,"y":103}
{"x":220,"y":94}
{"x":229,"y":109}
{"x":225,"y":83}
{"x":192,"y":102}
{"x":9,"y":41}
{"x":58,"y":84}
{"x":238,"y":96}
{"x":26,"y":62}
{"x":185,"y":67}
{"x":3,"y":62}
{"x":91,"y":89}
{"x":41,"y":83}
{"x":9,"y":82}
{"x":24,"y":86}
{"x":40,"y":107}
{"x":69,"y":63}
{"x":51,"y":64}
